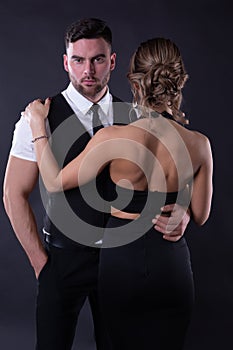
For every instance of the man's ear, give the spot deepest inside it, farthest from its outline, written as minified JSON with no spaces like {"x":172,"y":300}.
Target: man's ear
{"x":113,"y":61}
{"x":65,"y":62}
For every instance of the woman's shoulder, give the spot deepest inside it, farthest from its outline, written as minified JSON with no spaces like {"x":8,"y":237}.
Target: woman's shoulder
{"x":203,"y":143}
{"x":115,"y":129}
{"x":193,"y":134}
{"x":110,"y":132}
{"x":199,"y":143}
{"x":200,"y":137}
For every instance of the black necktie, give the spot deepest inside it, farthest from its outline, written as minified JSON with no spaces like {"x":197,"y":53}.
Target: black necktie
{"x":133,"y":115}
{"x":96,"y":122}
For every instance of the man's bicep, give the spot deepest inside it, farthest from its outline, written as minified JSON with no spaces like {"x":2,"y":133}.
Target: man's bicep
{"x":21,"y":175}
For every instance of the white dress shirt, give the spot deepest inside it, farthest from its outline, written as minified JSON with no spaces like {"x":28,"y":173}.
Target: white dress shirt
{"x":22,"y":146}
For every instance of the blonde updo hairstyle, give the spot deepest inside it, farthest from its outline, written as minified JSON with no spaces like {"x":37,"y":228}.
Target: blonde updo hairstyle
{"x":157,"y":76}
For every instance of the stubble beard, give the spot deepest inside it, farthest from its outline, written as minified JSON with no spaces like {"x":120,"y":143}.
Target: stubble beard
{"x":91,"y":92}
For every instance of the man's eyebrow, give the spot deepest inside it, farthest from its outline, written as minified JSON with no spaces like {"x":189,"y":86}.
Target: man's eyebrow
{"x":80,"y":57}
{"x":75,"y":57}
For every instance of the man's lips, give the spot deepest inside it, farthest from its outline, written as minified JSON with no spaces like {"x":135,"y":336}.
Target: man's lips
{"x":89,"y":81}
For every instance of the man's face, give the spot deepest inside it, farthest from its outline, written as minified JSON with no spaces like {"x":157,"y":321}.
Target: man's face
{"x":89,"y":63}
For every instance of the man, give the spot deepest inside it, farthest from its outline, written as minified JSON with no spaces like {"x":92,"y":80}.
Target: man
{"x":67,"y":270}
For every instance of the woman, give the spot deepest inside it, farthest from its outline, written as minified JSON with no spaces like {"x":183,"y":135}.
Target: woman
{"x":146,"y":283}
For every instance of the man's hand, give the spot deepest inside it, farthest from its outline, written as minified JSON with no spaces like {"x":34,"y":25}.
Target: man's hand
{"x":39,"y":265}
{"x":172,"y":222}
{"x":20,"y":179}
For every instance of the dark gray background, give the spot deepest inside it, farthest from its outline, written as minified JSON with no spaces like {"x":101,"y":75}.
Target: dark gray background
{"x":31,"y":67}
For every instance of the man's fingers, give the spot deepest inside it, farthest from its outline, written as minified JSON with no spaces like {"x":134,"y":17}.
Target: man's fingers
{"x":172,"y":238}
{"x":168,"y":207}
{"x":164,"y":229}
{"x":163,"y":220}
{"x":166,"y":221}
{"x":167,"y":227}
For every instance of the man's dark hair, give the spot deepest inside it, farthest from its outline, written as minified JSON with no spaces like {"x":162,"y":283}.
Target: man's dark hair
{"x":88,"y":28}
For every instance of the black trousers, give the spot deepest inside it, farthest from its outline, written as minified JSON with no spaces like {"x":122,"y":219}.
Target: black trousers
{"x":146,"y":291}
{"x":69,"y":277}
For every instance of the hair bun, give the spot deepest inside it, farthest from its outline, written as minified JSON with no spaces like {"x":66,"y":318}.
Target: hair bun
{"x":158,"y":72}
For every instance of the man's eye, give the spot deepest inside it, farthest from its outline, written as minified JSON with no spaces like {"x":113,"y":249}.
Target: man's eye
{"x":99,"y":59}
{"x":78,"y":60}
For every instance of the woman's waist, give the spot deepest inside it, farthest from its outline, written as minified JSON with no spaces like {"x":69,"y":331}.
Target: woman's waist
{"x":133,"y":216}
{"x":123,"y":214}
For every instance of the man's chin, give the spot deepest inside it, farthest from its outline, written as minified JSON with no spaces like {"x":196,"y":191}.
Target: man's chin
{"x":89,"y":91}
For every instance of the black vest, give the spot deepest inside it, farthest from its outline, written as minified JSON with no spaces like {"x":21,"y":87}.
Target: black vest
{"x":68,"y":213}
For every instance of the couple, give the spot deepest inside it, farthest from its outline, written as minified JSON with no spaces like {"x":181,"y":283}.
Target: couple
{"x":145,"y":285}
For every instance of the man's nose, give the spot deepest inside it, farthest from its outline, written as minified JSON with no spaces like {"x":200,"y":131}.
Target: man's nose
{"x":89,"y":68}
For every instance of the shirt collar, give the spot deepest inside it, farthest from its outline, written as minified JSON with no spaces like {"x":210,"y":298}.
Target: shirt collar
{"x":84,"y":104}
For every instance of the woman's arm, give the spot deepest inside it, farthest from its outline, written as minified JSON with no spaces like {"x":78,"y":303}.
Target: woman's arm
{"x":77,"y":172}
{"x":203,"y":185}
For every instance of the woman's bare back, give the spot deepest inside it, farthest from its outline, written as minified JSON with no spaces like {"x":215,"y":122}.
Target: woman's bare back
{"x":156,"y":154}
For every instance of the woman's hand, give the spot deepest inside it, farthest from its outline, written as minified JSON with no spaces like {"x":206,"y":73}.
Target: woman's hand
{"x":36,"y":112}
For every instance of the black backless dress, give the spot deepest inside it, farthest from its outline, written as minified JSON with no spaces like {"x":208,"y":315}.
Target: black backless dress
{"x":145,"y":282}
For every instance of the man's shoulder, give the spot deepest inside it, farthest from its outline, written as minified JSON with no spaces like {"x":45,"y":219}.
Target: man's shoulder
{"x":58,"y":96}
{"x":58,"y":101}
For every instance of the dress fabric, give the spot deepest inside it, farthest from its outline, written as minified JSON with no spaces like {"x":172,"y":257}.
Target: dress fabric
{"x":146,"y":285}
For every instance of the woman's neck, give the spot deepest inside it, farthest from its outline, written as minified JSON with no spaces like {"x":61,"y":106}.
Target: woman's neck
{"x":164,"y":109}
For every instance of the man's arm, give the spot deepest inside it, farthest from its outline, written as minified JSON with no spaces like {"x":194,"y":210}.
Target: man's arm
{"x":20,"y":179}
{"x":174,"y":226}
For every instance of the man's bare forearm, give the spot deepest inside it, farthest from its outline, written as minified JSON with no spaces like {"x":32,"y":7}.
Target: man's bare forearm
{"x":24,"y":225}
